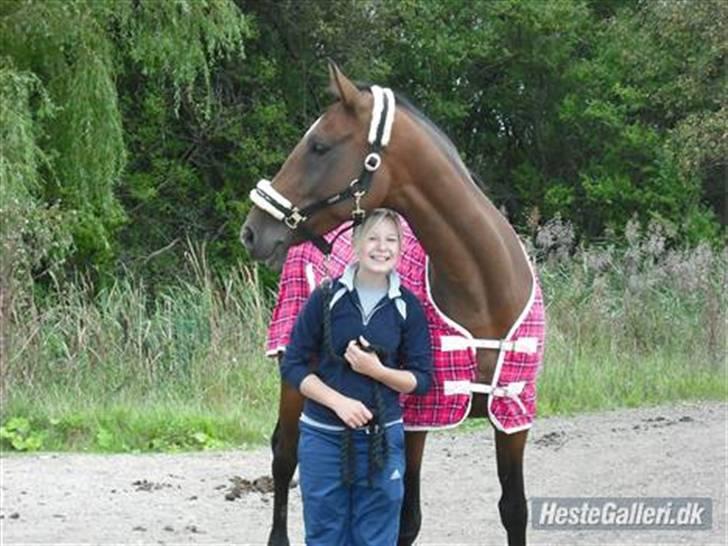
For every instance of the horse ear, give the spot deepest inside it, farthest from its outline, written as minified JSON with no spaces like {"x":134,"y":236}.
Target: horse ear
{"x":342,"y":87}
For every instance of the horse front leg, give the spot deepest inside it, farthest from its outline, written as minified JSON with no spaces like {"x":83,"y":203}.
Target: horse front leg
{"x":284,"y":444}
{"x":512,"y":505}
{"x":410,"y":519}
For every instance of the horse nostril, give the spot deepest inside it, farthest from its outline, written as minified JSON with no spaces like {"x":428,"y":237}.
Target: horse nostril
{"x":248,"y":237}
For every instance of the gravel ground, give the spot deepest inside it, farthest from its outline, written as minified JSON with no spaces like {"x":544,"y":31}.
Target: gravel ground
{"x":668,"y":451}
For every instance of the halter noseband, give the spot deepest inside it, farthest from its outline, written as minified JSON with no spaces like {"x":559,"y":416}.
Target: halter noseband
{"x":267,"y":198}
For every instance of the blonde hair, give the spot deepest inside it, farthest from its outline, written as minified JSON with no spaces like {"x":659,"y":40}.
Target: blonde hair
{"x":374,"y":218}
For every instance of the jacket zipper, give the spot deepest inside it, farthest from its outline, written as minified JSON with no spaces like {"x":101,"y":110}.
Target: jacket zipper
{"x":366,"y":318}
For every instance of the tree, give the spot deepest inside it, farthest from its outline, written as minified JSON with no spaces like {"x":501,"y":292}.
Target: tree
{"x":76,"y":53}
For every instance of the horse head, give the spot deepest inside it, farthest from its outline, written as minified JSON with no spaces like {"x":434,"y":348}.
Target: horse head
{"x":323,"y":179}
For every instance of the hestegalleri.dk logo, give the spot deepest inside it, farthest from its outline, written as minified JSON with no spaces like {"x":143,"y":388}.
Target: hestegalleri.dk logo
{"x":599,"y":513}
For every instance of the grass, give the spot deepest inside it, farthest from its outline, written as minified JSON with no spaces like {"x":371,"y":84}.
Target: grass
{"x":141,"y":425}
{"x":122,"y":371}
{"x":598,"y":381}
{"x":172,"y":418}
{"x":626,"y":336}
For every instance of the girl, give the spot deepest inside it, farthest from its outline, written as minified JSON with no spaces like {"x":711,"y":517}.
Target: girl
{"x":351,"y":446}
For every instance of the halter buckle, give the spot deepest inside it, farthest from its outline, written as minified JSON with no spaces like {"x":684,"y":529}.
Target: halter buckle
{"x":293,"y":219}
{"x":372,"y":162}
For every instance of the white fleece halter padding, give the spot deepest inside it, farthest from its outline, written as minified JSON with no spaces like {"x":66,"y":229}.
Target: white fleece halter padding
{"x":381,"y":94}
{"x":376,"y":113}
{"x":266,"y":187}
{"x":390,"y":117}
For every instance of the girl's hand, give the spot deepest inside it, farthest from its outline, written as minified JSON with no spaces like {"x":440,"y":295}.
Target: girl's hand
{"x":352,"y":412}
{"x":363,"y":362}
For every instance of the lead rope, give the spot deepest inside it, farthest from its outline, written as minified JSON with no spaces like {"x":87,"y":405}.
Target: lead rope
{"x":347,"y":441}
{"x":377,"y":439}
{"x":377,"y":448}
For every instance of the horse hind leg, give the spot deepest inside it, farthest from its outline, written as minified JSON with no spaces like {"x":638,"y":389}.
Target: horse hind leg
{"x":411,"y":515}
{"x":512,"y":505}
{"x":284,"y":444}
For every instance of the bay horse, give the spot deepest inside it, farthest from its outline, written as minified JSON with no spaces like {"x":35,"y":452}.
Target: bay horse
{"x":363,"y":153}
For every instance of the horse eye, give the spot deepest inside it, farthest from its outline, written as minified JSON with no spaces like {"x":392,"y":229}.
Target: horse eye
{"x":319,"y":148}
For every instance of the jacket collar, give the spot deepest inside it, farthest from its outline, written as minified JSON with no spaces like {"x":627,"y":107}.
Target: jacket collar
{"x":347,"y":279}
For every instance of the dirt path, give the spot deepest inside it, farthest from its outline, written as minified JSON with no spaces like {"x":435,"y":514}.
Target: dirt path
{"x":180,"y":499}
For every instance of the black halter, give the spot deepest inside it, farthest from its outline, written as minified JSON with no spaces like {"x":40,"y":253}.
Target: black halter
{"x":274,"y":203}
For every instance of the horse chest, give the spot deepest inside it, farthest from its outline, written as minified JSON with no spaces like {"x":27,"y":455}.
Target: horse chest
{"x":486,"y":366}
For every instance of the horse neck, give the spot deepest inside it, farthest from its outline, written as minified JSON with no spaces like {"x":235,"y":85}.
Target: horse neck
{"x":479,"y":272}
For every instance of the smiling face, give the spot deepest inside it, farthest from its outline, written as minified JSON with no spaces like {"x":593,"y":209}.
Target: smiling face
{"x":378,"y":243}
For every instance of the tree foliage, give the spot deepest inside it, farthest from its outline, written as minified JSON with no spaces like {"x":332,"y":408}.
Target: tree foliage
{"x":78,"y":55}
{"x":130,"y":126}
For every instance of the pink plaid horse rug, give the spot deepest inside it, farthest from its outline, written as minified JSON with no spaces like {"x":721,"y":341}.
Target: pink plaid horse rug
{"x":512,"y":400}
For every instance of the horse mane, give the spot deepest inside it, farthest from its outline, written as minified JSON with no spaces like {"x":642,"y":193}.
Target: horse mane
{"x":439,"y":136}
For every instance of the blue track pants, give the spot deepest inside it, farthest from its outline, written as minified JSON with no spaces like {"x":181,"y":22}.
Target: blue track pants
{"x":359,"y":514}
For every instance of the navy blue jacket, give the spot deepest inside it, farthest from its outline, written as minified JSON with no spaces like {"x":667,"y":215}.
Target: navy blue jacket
{"x":397,"y":325}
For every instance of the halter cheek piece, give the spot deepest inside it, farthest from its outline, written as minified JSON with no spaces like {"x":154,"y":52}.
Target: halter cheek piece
{"x":267,"y":198}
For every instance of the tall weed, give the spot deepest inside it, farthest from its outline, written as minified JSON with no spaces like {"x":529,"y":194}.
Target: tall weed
{"x":119,"y":370}
{"x":196,"y":348}
{"x":644,"y":322}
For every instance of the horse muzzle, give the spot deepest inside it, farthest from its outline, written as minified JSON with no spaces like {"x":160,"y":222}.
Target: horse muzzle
{"x":265,"y":239}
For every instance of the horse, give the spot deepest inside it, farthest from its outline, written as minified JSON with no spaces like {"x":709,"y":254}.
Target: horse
{"x":371,"y":149}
